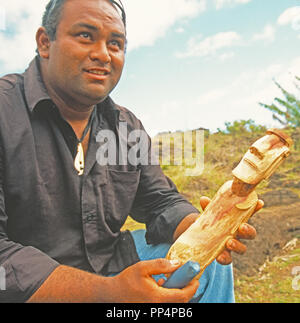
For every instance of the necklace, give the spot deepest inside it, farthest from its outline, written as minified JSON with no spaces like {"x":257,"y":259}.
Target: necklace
{"x":79,"y":159}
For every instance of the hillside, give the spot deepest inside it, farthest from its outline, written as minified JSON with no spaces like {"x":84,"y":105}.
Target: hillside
{"x":278,"y":222}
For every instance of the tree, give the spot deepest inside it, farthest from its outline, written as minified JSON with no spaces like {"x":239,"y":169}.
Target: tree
{"x":287,"y":110}
{"x":242,"y":127}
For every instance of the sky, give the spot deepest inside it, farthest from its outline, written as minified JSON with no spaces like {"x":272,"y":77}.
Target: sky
{"x":189,"y":63}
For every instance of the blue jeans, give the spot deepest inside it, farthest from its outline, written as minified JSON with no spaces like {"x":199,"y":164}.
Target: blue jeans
{"x":216,"y":282}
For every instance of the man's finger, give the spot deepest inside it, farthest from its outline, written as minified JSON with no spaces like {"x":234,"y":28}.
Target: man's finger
{"x":161,"y":281}
{"x":246,"y":231}
{"x":236,"y":246}
{"x":260,"y":204}
{"x":191,"y":289}
{"x":183,"y":295}
{"x":158,"y":266}
{"x":224,"y":258}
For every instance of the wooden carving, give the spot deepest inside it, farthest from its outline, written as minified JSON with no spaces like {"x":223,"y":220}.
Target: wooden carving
{"x":233,"y":204}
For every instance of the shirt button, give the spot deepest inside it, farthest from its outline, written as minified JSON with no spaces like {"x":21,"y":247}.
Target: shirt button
{"x":90,"y":217}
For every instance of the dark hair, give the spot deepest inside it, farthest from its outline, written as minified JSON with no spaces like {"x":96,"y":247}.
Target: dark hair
{"x":53,"y":12}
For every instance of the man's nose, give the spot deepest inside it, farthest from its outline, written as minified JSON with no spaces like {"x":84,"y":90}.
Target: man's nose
{"x":100,"y":52}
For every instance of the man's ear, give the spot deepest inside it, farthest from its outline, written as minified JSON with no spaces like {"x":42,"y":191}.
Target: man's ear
{"x":43,"y":42}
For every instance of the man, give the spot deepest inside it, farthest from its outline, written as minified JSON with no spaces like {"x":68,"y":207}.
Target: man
{"x":60,"y":211}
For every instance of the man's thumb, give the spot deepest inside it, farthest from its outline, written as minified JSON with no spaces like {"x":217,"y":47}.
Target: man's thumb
{"x":160,"y":266}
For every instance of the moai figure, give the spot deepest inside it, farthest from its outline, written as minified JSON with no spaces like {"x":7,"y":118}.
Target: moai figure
{"x":233,"y":204}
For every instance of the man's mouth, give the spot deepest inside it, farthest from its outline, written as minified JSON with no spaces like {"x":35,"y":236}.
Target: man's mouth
{"x":98,"y":72}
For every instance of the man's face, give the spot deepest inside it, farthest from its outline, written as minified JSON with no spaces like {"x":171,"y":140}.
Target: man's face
{"x":87,"y":57}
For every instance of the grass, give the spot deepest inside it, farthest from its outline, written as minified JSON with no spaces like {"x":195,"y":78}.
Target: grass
{"x":275,"y":283}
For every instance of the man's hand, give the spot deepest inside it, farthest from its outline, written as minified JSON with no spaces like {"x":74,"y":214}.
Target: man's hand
{"x":245,"y":231}
{"x":135,"y":284}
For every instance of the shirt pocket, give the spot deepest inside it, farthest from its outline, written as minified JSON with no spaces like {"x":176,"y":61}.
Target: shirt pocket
{"x":120,"y":193}
{"x":99,"y":175}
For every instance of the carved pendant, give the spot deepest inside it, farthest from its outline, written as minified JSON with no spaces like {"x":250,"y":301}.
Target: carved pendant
{"x":79,"y":160}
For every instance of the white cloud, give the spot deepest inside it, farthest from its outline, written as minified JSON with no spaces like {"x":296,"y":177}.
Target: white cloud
{"x":268,"y":34}
{"x":240,"y":98}
{"x":211,"y":96}
{"x":210,"y":46}
{"x":149,"y":20}
{"x":235,"y":99}
{"x":263,"y":88}
{"x":285,"y":76}
{"x":226,"y":56}
{"x":179,"y":30}
{"x":2,"y":19}
{"x":290,"y":16}
{"x":17,"y":40}
{"x":145,"y":25}
{"x":222,"y":3}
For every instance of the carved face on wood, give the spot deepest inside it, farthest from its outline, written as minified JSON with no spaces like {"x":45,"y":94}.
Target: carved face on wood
{"x":263,"y":157}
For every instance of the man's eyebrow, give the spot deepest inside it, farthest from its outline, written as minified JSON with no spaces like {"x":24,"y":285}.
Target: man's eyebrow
{"x":94,"y":28}
{"x":85,"y":25}
{"x":118,"y":35}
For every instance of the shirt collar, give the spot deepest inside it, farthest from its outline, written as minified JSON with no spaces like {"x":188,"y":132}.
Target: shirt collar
{"x":110,"y":110}
{"x":35,"y":90}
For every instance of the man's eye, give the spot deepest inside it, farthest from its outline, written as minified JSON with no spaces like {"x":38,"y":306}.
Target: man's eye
{"x":116,"y":43}
{"x":85,"y":35}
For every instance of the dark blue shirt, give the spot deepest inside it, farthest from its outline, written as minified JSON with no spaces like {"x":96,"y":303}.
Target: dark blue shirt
{"x":48,"y":214}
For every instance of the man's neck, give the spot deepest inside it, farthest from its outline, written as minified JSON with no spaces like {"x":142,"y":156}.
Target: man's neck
{"x":74,"y":115}
{"x":72,"y":111}
{"x":77,"y":116}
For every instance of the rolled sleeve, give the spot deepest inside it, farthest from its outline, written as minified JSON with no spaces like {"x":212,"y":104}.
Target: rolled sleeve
{"x":163,"y":227}
{"x":23,"y":268}
{"x":25,"y":271}
{"x":159,"y":205}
